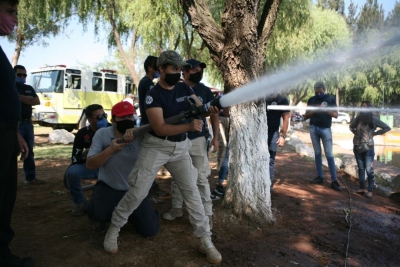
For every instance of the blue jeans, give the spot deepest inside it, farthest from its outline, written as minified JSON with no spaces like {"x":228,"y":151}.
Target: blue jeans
{"x":317,"y":135}
{"x":273,"y":137}
{"x":272,"y":155}
{"x":26,"y":131}
{"x":104,"y":200}
{"x":74,"y":175}
{"x":364,"y":163}
{"x":223,"y":171}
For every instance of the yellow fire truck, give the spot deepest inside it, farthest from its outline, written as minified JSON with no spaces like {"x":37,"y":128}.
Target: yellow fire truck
{"x":65,"y":92}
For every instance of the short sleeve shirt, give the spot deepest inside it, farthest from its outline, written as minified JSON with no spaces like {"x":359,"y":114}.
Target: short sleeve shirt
{"x":145,"y":85}
{"x":10,"y":105}
{"x":205,"y":95}
{"x":274,"y":116}
{"x":172,"y":101}
{"x":26,"y":90}
{"x":117,"y":168}
{"x":321,"y":118}
{"x":82,"y":141}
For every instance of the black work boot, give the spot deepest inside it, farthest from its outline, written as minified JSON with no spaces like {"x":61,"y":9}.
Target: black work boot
{"x":317,"y":180}
{"x":14,"y":261}
{"x":335,"y":186}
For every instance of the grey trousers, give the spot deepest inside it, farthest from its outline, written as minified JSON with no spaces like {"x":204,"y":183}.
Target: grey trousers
{"x":154,"y":153}
{"x":198,"y":153}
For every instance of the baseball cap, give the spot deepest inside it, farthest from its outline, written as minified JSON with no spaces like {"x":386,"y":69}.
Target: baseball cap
{"x":122,"y":109}
{"x":319,"y":85}
{"x":196,"y":63}
{"x":173,"y":58}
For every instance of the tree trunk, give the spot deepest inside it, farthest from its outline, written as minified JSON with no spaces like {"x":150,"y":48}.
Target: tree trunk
{"x":128,"y":62}
{"x":238,"y":50}
{"x":337,"y":97}
{"x":299,"y":95}
{"x":248,"y":190}
{"x":249,"y":185}
{"x":19,"y":44}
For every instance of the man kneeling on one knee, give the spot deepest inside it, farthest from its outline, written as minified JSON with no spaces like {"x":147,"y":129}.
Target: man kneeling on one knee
{"x":97,"y":119}
{"x":115,"y":161}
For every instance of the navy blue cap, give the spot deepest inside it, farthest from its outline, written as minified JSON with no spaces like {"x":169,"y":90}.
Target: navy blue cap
{"x":196,"y":63}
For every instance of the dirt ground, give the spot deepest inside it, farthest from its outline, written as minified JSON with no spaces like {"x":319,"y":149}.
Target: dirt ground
{"x":313,"y":226}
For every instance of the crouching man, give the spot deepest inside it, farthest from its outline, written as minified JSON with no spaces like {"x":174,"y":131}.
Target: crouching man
{"x":77,"y":171}
{"x":114,"y":163}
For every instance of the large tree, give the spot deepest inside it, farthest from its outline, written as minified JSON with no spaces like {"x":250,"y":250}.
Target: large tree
{"x":371,"y":17}
{"x":376,"y":78}
{"x":38,"y":20}
{"x":139,"y":25}
{"x":237,"y":45}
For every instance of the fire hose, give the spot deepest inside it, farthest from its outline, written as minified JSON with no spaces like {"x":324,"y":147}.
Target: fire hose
{"x":193,"y":112}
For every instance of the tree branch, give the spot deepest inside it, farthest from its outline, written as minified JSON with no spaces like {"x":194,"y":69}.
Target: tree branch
{"x":177,"y":41}
{"x":267,"y":20}
{"x":133,"y":45}
{"x":202,"y":21}
{"x":110,"y":15}
{"x":198,"y":52}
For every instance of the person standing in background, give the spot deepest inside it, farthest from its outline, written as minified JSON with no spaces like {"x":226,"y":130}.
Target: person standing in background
{"x":276,"y":138}
{"x":320,"y":130}
{"x":364,"y":129}
{"x":28,"y":98}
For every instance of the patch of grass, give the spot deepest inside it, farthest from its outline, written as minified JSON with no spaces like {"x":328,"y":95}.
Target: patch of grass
{"x":53,"y":151}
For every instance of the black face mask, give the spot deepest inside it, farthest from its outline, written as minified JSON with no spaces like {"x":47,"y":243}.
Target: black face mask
{"x":196,"y":77}
{"x":172,"y":78}
{"x":122,"y":126}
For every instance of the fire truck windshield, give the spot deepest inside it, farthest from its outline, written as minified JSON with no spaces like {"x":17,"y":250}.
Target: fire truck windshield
{"x":48,"y":81}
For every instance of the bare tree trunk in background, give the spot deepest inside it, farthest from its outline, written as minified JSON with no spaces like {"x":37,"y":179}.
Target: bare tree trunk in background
{"x":238,"y":49}
{"x":19,"y":44}
{"x":129,"y":62}
{"x":337,"y":97}
{"x":299,"y":95}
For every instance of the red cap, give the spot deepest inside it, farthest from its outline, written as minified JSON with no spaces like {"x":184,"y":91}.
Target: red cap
{"x":122,"y":109}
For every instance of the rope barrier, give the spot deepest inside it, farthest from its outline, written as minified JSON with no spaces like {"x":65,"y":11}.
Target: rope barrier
{"x":348,"y":219}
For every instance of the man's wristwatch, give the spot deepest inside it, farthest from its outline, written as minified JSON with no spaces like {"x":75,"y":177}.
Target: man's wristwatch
{"x":283,"y":135}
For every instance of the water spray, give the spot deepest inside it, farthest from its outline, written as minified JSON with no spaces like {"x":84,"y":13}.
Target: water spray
{"x":280,"y":81}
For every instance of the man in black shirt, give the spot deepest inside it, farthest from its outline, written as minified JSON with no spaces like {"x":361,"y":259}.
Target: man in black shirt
{"x":83,"y":140}
{"x":146,"y":83}
{"x":11,"y":142}
{"x":275,"y":138}
{"x":320,"y":130}
{"x":28,"y":98}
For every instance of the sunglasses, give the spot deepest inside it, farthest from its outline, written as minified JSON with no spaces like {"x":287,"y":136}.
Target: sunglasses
{"x":22,"y":75}
{"x":101,"y":116}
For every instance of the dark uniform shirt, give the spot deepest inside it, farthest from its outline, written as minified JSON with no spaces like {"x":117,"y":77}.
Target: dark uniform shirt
{"x":144,"y":86}
{"x":205,"y":95}
{"x":274,"y":116}
{"x":10,"y":105}
{"x":83,"y":139}
{"x":172,"y":101}
{"x":26,"y":90}
{"x":321,"y":118}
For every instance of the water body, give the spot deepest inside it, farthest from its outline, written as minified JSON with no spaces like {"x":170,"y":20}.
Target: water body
{"x":388,"y":154}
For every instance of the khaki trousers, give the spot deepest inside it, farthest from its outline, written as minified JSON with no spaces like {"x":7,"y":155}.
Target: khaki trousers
{"x":154,"y":153}
{"x":198,"y":153}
